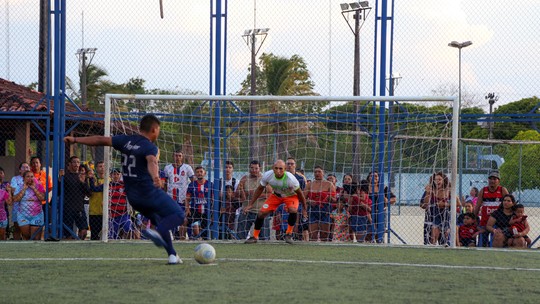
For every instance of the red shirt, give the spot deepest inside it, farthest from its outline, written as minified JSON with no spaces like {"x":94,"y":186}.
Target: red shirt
{"x":355,"y":209}
{"x":466,"y":232}
{"x":490,"y":203}
{"x":118,"y":199}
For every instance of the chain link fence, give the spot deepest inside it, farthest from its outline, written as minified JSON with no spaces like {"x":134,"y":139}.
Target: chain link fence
{"x":126,"y":47}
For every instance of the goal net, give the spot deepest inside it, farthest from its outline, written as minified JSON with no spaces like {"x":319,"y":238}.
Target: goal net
{"x":403,"y":139}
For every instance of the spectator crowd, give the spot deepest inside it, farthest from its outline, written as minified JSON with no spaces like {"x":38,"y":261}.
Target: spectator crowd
{"x":355,"y":211}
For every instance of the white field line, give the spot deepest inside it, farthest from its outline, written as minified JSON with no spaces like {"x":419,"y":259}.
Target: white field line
{"x":466,"y":267}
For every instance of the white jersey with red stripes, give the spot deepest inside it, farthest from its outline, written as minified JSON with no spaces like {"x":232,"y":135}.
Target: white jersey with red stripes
{"x":178,"y":179}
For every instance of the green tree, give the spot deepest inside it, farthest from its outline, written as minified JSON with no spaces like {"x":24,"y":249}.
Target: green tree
{"x":521,"y":160}
{"x":508,"y":130}
{"x":278,"y":75}
{"x":96,"y":87}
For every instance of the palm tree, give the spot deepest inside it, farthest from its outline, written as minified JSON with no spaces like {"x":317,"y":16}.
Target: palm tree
{"x":96,"y":87}
{"x":278,"y":75}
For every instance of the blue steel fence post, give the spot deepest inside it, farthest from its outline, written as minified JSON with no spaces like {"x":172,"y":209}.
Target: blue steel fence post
{"x":59,"y":127}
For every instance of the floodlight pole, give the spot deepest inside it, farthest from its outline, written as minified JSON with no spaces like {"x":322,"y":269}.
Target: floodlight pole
{"x":83,"y":67}
{"x":360,"y":10}
{"x":250,"y":37}
{"x":453,"y":201}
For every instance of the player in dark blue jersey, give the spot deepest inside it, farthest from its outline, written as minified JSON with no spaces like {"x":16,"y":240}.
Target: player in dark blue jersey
{"x":142,"y":181}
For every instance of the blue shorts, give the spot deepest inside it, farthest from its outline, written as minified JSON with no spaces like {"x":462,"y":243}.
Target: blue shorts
{"x":359,"y":223}
{"x":318,"y":213}
{"x":14,"y":212}
{"x":122,"y":222}
{"x":32,"y":220}
{"x":155,"y":204}
{"x":3,"y":224}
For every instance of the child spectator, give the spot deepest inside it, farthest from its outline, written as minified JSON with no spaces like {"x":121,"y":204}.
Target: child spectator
{"x":467,"y":208}
{"x":468,"y":232}
{"x":228,"y":209}
{"x":118,"y":212}
{"x":520,"y":225}
{"x":341,"y":216}
{"x":360,"y":210}
{"x":472,"y":197}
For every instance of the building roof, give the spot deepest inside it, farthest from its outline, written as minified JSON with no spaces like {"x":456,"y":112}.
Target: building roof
{"x":18,"y":98}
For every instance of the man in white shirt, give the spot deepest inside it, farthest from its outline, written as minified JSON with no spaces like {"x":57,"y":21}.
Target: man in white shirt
{"x":178,"y":176}
{"x":286,"y":189}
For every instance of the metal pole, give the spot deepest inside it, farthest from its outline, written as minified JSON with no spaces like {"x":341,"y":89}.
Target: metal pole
{"x":460,"y":146}
{"x":43,"y":75}
{"x":252,"y":104}
{"x":83,"y":78}
{"x":356,"y":92}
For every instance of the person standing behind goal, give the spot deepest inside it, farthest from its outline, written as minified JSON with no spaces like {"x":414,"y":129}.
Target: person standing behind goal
{"x":141,"y":177}
{"x":178,"y":176}
{"x":286,"y":189}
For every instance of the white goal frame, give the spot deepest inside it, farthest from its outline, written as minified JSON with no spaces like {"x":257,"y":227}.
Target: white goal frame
{"x":421,"y":99}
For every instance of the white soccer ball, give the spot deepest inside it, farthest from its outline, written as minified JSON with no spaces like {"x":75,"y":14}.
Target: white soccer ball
{"x":205,"y":254}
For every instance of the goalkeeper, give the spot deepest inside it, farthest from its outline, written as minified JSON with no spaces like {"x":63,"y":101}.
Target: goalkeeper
{"x":142,"y":182}
{"x":286,"y":189}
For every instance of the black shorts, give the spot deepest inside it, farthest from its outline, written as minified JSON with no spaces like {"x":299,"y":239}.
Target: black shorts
{"x":466,"y":242}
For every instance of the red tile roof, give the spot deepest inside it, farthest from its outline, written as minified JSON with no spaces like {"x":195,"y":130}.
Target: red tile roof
{"x":18,"y":98}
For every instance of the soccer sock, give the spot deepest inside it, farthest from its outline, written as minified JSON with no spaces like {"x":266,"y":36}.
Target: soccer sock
{"x":258,"y":225}
{"x":291,"y":221}
{"x":164,"y":226}
{"x":256,"y":233}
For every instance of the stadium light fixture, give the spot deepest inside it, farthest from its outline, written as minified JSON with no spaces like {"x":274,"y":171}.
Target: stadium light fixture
{"x":354,"y":5}
{"x":344,"y":6}
{"x":364,"y":3}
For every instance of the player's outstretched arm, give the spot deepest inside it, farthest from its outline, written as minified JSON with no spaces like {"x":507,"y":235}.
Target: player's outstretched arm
{"x":153,"y":170}
{"x":89,"y":140}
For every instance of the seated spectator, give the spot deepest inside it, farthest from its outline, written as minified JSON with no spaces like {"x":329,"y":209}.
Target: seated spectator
{"x":467,"y":208}
{"x":520,"y":225}
{"x":499,"y":224}
{"x":468,"y":232}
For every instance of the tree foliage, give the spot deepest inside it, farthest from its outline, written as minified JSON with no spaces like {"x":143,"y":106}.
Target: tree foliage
{"x":522,"y":160}
{"x":509,"y":130}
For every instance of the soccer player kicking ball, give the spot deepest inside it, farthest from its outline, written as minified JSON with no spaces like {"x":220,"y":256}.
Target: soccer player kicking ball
{"x":141,"y":179}
{"x":286,"y":190}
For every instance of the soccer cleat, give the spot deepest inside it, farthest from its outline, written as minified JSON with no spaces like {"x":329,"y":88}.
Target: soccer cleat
{"x":175,"y":259}
{"x":154,"y":236}
{"x":251,"y":240}
{"x":288,"y":239}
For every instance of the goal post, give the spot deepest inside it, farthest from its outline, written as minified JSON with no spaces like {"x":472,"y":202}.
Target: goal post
{"x":421,"y":131}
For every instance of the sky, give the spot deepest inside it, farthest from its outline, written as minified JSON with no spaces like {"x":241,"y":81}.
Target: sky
{"x":174,"y":52}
